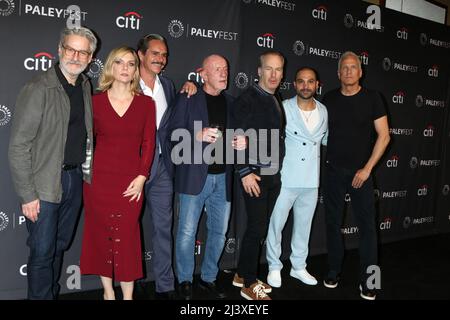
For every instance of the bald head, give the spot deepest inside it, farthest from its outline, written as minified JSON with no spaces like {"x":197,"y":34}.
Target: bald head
{"x":215,"y":74}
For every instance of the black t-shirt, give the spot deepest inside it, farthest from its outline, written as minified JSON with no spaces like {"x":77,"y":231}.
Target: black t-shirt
{"x":351,"y":134}
{"x":217,"y":116}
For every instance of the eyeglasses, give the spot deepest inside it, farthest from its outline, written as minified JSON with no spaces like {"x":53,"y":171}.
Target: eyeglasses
{"x":71,"y":52}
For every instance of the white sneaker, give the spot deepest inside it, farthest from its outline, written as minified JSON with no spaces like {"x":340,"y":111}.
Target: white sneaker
{"x":303,"y":276}
{"x":274,"y":278}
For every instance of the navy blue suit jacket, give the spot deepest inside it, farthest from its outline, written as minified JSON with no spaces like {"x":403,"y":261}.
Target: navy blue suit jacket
{"x":190,"y":178}
{"x":162,"y":132}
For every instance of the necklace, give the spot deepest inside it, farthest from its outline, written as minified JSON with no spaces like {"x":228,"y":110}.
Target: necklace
{"x":306,"y":114}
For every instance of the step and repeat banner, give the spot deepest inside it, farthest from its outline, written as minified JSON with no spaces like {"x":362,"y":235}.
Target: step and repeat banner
{"x":405,"y":58}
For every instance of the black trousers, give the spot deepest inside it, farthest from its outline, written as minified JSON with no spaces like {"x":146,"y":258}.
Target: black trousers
{"x":259,"y":210}
{"x":337,"y":182}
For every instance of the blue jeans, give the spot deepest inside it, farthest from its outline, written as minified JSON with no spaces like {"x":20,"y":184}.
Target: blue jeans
{"x":213,"y":197}
{"x":50,"y":236}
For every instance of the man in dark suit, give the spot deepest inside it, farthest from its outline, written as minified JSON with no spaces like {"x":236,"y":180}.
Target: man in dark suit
{"x":152,"y":51}
{"x":202,"y":177}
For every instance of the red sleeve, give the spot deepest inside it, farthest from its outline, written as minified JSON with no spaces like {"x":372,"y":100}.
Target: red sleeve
{"x":148,"y":137}
{"x":97,"y":101}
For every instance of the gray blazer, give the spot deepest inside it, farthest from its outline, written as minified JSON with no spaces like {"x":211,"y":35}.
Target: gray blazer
{"x":38,"y":137}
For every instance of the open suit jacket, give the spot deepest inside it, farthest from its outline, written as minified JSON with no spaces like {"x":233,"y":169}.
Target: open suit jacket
{"x":161,"y":133}
{"x":190,"y":178}
{"x":302,"y":157}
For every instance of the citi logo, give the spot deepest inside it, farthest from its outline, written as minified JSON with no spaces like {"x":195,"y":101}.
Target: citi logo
{"x":399,"y":97}
{"x":41,"y":61}
{"x":195,"y":76}
{"x":320,"y":13}
{"x":429,"y":131}
{"x":422,"y":191}
{"x":433,"y":71}
{"x":364,"y":57}
{"x":130,"y":20}
{"x":402,"y":33}
{"x":393,"y":162}
{"x":386,"y":224}
{"x":266,"y":40}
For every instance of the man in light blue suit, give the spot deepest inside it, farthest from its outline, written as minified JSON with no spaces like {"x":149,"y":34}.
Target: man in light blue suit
{"x":306,"y":130}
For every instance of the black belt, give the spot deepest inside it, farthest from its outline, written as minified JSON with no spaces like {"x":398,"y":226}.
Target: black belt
{"x":66,"y":167}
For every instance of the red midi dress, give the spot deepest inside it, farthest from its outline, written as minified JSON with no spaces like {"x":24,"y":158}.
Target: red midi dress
{"x":124,"y":148}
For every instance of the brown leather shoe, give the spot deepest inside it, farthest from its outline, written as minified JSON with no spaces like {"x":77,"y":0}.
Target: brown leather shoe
{"x":239,"y":282}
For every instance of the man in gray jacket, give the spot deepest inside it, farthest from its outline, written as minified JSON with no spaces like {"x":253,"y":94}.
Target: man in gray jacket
{"x":51,"y":138}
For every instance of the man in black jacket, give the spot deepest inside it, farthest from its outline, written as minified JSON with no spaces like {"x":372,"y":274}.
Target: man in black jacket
{"x":258,"y":110}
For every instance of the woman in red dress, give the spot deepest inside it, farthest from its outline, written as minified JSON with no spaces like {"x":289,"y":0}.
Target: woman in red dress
{"x":124,"y":131}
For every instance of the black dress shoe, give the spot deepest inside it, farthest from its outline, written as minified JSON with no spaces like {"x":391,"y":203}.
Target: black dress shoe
{"x":185,"y":289}
{"x":366,"y":293}
{"x":330,"y":282}
{"x":213,"y":288}
{"x":168,"y":295}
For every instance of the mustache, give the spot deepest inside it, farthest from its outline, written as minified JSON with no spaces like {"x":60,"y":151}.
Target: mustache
{"x":78,"y":63}
{"x":159,"y":63}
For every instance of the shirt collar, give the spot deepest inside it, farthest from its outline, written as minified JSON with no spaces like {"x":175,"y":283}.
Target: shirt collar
{"x":144,"y":87}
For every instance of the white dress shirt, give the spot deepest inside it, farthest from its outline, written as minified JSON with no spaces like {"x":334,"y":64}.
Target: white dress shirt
{"x":158,"y":95}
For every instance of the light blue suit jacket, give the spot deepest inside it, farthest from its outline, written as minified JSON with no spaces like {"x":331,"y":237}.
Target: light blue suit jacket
{"x":301,"y":165}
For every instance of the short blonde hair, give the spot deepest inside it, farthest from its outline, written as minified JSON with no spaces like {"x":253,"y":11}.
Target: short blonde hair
{"x":106,"y":78}
{"x":347,"y":54}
